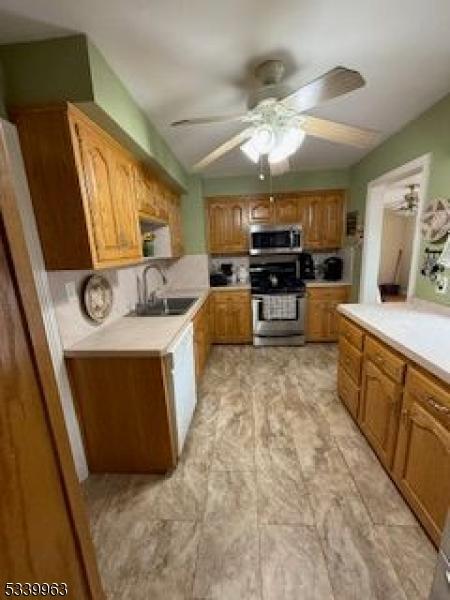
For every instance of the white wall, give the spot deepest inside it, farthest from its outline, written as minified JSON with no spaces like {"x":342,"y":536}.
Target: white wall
{"x":397,"y":234}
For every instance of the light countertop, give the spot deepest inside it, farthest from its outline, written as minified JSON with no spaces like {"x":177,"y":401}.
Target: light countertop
{"x":420,"y":331}
{"x":323,"y":283}
{"x":139,"y":336}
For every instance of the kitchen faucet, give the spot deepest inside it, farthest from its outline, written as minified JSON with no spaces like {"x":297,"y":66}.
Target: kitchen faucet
{"x":144,"y":276}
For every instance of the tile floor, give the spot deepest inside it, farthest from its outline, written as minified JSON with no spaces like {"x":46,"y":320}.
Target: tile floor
{"x":277,"y":496}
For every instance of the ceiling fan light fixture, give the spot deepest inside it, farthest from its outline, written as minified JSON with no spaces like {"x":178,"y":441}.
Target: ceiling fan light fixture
{"x":250,"y":151}
{"x":289,"y":141}
{"x":263,"y":140}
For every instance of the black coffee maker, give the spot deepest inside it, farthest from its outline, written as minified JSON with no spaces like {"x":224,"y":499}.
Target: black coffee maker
{"x":306,"y":266}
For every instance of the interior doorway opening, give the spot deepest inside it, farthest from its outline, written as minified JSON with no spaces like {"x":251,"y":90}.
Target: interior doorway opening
{"x":392,"y":233}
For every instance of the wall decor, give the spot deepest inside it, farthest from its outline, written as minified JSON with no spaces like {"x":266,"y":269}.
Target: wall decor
{"x":97,"y":297}
{"x":435,"y":220}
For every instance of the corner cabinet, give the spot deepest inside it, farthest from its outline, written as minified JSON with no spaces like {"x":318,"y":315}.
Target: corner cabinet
{"x":405,"y":418}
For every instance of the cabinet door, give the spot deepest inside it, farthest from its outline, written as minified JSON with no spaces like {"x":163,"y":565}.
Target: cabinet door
{"x":220,"y":320}
{"x":228,"y":226}
{"x":379,"y":411}
{"x":422,"y":460}
{"x":322,"y":318}
{"x":98,"y":166}
{"x":241,"y":311}
{"x":175,"y":226}
{"x":313,"y":218}
{"x":260,"y":211}
{"x":124,"y":202}
{"x":423,"y":465}
{"x":315,"y":319}
{"x":287,"y":210}
{"x":42,"y":537}
{"x":332,"y":220}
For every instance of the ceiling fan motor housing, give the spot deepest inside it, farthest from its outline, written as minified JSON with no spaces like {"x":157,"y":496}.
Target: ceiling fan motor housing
{"x":269,"y":75}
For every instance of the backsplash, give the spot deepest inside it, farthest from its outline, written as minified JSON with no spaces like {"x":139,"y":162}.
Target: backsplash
{"x":190,"y":271}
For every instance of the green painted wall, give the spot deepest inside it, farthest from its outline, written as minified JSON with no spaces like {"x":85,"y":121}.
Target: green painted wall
{"x":193,"y":213}
{"x":251,"y":184}
{"x":429,"y":133}
{"x":110,"y":94}
{"x":71,"y":68}
{"x":47,"y":71}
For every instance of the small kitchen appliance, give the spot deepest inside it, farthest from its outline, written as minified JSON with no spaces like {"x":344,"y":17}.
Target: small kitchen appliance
{"x":332,"y":268}
{"x":275,"y":239}
{"x":306,"y":266}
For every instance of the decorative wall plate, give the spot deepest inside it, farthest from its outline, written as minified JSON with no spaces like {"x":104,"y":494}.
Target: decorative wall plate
{"x":435,"y":219}
{"x":97,"y":297}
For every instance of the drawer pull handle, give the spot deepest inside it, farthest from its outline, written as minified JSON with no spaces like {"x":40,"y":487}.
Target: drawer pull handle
{"x":437,"y":405}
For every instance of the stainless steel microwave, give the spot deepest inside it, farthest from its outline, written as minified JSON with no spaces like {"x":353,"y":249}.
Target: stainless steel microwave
{"x":275,"y":239}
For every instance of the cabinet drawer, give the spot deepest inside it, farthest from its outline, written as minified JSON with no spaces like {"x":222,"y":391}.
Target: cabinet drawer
{"x":350,"y":359}
{"x":434,"y":396}
{"x":351,"y":332}
{"x":385,"y":359}
{"x":232,"y":296}
{"x":348,"y":392}
{"x":337,"y":294}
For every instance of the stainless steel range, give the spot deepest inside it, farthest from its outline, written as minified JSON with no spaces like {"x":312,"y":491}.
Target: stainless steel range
{"x":278,"y":301}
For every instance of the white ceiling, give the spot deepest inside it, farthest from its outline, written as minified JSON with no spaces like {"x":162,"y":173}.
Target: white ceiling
{"x":189,"y":58}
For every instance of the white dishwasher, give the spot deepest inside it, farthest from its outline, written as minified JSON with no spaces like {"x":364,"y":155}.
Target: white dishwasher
{"x":184,"y":392}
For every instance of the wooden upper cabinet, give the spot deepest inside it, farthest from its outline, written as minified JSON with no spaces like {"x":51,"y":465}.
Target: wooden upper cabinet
{"x":260,"y":210}
{"x":313,"y":222}
{"x":287,"y":210}
{"x":422,"y":459}
{"x":227,"y":225}
{"x":82,"y":185}
{"x":175,"y":224}
{"x":333,"y":213}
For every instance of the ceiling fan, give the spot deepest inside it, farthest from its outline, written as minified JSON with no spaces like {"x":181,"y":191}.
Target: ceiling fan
{"x":276,"y":123}
{"x":410,"y":202}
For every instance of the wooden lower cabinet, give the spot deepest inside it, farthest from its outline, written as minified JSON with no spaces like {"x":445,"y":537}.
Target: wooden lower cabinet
{"x":379,"y":411}
{"x":406,"y":421}
{"x":348,"y":391}
{"x":124,"y":412}
{"x":422,"y":461}
{"x":322,"y":319}
{"x":202,"y":338}
{"x":231,"y":317}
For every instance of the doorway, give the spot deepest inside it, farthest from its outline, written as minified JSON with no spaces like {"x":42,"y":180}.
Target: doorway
{"x":392,"y":233}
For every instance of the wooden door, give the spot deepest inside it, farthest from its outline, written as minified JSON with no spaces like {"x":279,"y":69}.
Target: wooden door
{"x":124,"y":195}
{"x":322,"y":318}
{"x":240,"y":309}
{"x":175,"y":225}
{"x":316,"y":314}
{"x":227,"y":226}
{"x":232,"y":318}
{"x":287,"y":210}
{"x":36,"y":528}
{"x":313,"y":219}
{"x":220,"y":319}
{"x":332,"y":220}
{"x":98,"y":177}
{"x":260,"y":211}
{"x":380,"y":411}
{"x":422,"y":460}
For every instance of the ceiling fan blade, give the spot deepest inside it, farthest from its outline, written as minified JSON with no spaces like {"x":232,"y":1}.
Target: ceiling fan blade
{"x":236,"y":140}
{"x":340,"y":133}
{"x":280,"y":167}
{"x":334,"y":83}
{"x":207,"y":120}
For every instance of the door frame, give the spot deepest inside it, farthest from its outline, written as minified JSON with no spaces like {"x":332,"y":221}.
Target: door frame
{"x":373,"y":224}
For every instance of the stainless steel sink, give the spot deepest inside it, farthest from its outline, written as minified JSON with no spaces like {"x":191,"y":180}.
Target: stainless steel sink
{"x":163,"y":307}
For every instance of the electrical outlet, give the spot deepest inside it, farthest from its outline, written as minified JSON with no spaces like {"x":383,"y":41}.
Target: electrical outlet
{"x":441,"y":284}
{"x":71,"y":290}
